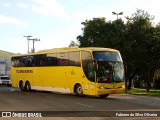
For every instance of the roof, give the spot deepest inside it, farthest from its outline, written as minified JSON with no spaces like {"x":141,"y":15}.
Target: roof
{"x":75,"y":49}
{"x":70,"y":49}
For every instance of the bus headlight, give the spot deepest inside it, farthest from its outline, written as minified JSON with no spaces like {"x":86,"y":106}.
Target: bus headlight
{"x":123,"y":86}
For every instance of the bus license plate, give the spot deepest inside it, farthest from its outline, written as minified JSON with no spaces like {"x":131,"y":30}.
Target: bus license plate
{"x":113,"y":92}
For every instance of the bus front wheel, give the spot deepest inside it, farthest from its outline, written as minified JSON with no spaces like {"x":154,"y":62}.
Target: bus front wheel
{"x":103,"y":96}
{"x":78,"y":89}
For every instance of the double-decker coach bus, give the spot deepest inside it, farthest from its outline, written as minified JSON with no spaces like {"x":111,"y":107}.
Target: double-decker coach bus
{"x":83,"y":71}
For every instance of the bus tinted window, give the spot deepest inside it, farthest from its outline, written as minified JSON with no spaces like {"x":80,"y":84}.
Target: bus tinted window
{"x":62,"y":59}
{"x":15,"y":61}
{"x":46,"y":60}
{"x":40,"y":60}
{"x":74,"y":58}
{"x":23,"y":61}
{"x":51,"y":59}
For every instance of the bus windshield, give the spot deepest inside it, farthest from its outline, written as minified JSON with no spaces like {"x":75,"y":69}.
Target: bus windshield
{"x":107,"y":56}
{"x":109,"y":67}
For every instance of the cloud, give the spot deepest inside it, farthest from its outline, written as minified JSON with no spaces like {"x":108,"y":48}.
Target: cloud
{"x":10,"y":46}
{"x":6,"y":5}
{"x":82,"y":15}
{"x":22,"y":5}
{"x":49,"y":8}
{"x":11,"y":20}
{"x":58,"y":38}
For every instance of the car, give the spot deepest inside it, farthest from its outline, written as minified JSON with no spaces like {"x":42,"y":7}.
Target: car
{"x":5,"y":80}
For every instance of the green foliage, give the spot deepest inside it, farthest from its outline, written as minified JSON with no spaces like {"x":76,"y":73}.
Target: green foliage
{"x":137,"y":83}
{"x":138,"y":91}
{"x":93,"y":32}
{"x":141,"y":14}
{"x":137,"y":40}
{"x":157,"y":83}
{"x":73,"y":44}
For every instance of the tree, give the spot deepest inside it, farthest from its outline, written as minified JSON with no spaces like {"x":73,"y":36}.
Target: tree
{"x":137,"y":40}
{"x":93,"y":33}
{"x":142,"y":34}
{"x":73,"y":44}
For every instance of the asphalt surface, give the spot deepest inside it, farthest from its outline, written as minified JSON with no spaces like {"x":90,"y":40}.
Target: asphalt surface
{"x":68,"y":106}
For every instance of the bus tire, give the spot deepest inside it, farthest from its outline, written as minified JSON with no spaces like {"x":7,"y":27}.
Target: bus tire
{"x":78,"y":90}
{"x":28,"y":86}
{"x":21,"y":85}
{"x":103,"y":96}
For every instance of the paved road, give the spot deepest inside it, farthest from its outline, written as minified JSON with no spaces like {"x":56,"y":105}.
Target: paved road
{"x":12,"y":99}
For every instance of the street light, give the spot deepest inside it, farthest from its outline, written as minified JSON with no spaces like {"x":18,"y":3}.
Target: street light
{"x":114,"y":13}
{"x":28,"y":38}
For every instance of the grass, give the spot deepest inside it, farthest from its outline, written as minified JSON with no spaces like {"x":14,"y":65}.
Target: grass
{"x":5,"y":54}
{"x":138,"y":91}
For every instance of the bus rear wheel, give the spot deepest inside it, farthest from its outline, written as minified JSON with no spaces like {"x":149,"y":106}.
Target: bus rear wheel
{"x":28,"y":86}
{"x":21,"y":86}
{"x":78,"y":90}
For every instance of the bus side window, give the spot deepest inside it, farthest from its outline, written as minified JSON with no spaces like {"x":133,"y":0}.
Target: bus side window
{"x":16,"y":61}
{"x":29,"y":61}
{"x":21,"y":62}
{"x":65,"y":61}
{"x":59,"y":61}
{"x":62,"y":59}
{"x":41,"y":62}
{"x":74,"y":58}
{"x":52,"y":59}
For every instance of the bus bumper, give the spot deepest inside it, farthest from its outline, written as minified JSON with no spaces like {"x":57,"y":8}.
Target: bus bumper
{"x":109,"y":91}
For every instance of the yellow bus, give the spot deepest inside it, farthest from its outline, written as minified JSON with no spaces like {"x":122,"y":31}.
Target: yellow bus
{"x":83,"y":71}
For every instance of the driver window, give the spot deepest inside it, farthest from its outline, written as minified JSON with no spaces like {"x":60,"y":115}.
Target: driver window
{"x":87,"y":65}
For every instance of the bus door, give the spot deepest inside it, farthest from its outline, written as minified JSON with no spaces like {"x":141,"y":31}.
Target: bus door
{"x":89,"y":73}
{"x":91,"y":77}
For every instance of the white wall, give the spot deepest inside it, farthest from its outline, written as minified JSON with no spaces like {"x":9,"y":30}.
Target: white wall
{"x":5,"y":66}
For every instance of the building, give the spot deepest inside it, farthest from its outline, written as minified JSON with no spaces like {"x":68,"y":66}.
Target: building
{"x":5,"y":64}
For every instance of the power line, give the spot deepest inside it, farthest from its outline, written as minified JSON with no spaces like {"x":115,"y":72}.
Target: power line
{"x":28,"y":37}
{"x":34,"y":40}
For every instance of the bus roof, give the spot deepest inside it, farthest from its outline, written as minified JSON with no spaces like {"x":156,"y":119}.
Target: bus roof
{"x":69,"y":49}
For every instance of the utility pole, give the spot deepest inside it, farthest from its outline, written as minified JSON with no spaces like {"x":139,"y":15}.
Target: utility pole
{"x":28,"y":38}
{"x":35,"y":39}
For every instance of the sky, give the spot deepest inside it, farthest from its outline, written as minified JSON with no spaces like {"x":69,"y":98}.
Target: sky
{"x":58,"y":22}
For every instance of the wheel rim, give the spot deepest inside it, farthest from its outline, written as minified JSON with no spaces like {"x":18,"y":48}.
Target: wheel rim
{"x":21,"y":86}
{"x":79,"y":90}
{"x":28,"y":87}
